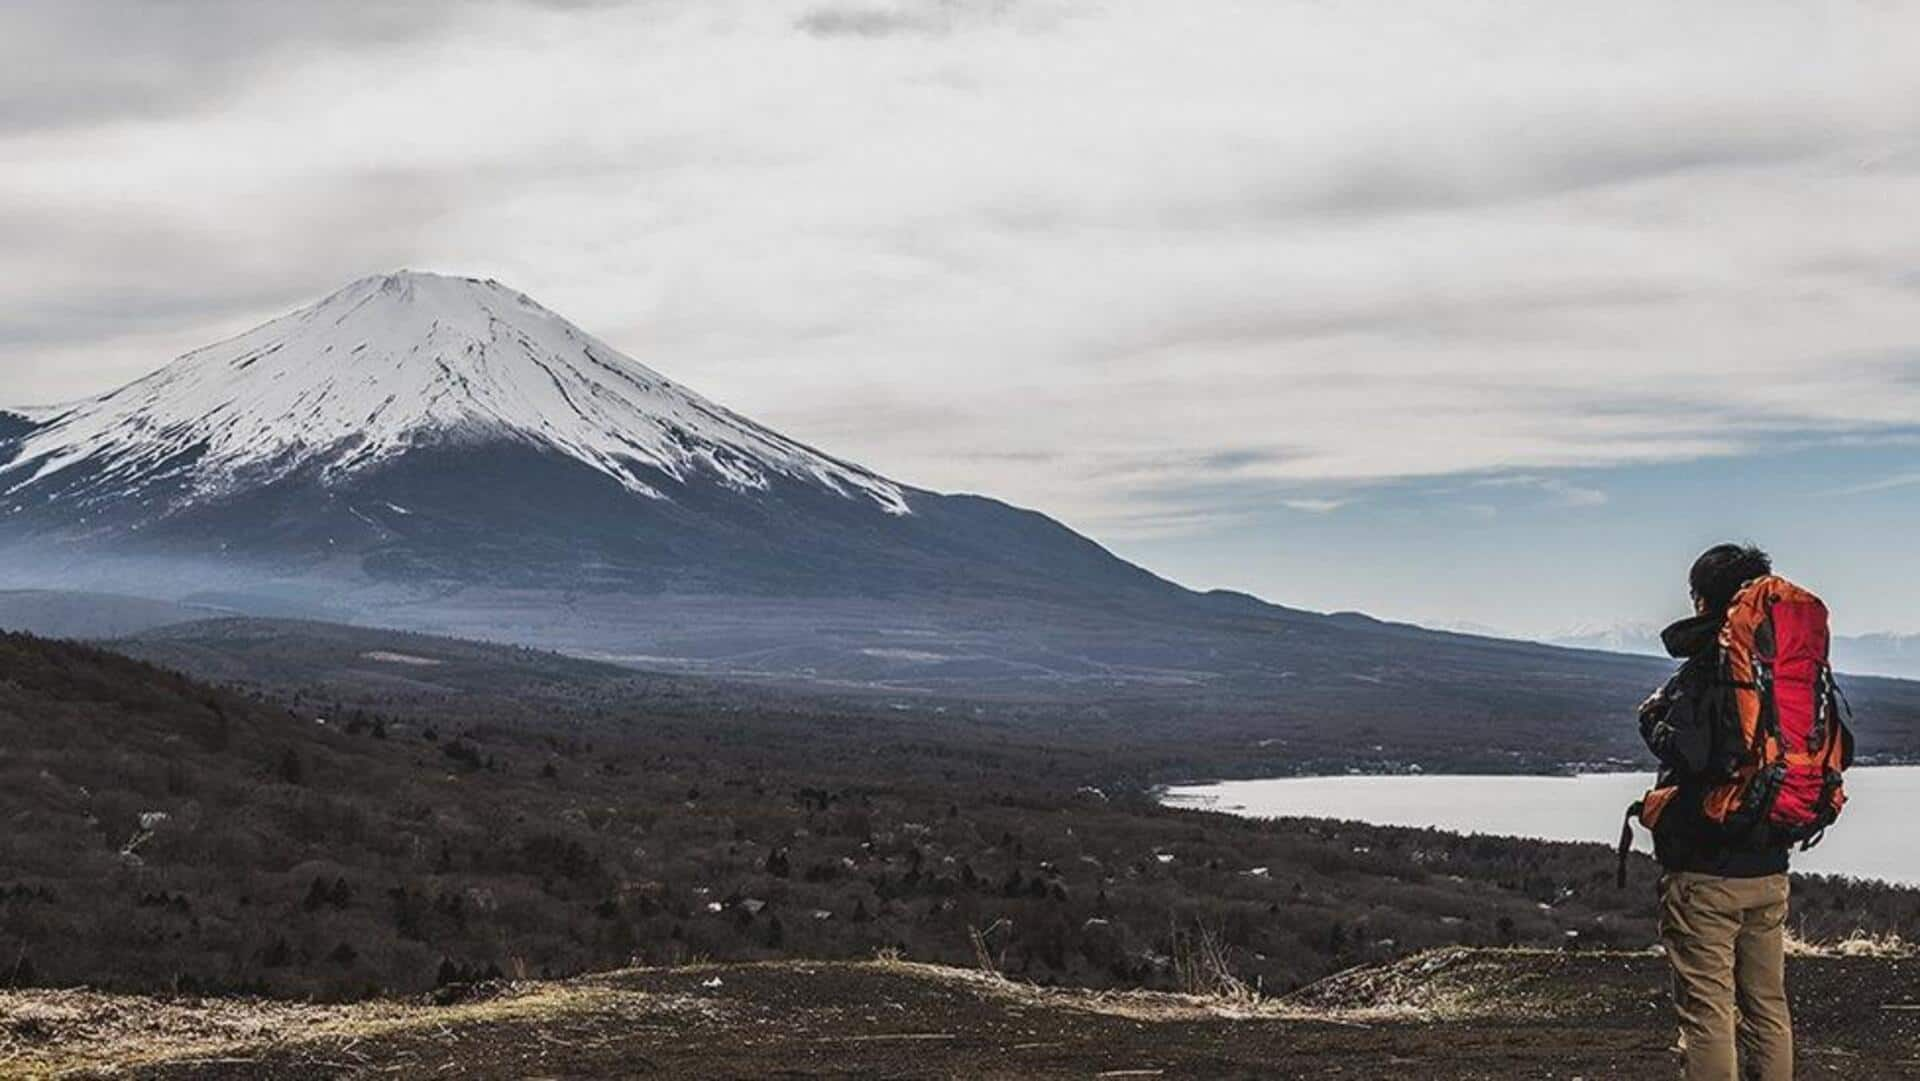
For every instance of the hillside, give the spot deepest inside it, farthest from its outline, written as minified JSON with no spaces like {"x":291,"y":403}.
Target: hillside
{"x":1505,"y":707}
{"x":1451,"y":1015}
{"x":164,"y":834}
{"x":66,"y":614}
{"x":1525,"y":708}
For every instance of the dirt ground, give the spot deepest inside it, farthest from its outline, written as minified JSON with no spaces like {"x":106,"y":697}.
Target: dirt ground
{"x":1447,"y":1015}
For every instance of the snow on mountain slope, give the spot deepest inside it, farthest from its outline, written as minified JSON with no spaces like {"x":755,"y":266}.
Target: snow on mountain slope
{"x":1643,"y":638}
{"x":1895,"y":656}
{"x":401,"y":360}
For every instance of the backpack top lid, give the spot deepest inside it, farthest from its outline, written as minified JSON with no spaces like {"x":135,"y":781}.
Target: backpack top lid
{"x":1776,"y":618}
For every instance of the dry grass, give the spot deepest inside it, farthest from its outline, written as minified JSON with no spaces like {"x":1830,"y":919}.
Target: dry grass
{"x":989,"y":963}
{"x":74,"y":1034}
{"x":1132,"y":1005}
{"x":1203,"y":968}
{"x":48,"y":1034}
{"x":1858,"y":944}
{"x":1458,"y":983}
{"x":1425,"y":985}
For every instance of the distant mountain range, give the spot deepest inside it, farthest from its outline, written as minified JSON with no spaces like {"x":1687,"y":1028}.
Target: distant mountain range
{"x":444,"y":454}
{"x":1893,"y":655}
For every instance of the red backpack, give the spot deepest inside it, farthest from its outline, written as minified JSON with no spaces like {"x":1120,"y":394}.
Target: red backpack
{"x":1773,"y":655}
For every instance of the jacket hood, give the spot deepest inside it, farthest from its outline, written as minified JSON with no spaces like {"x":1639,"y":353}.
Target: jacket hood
{"x":1693,"y":635}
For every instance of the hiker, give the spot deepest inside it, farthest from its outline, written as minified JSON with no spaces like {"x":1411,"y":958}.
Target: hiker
{"x":1751,"y":748}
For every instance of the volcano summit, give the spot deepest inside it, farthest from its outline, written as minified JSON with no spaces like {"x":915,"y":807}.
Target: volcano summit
{"x":392,"y":364}
{"x":417,"y":428}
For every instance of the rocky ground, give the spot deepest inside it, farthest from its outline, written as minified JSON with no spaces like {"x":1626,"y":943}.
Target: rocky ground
{"x":1449,"y":1014}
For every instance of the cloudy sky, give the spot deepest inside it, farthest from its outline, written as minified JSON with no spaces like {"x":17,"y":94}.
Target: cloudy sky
{"x":1455,"y":311}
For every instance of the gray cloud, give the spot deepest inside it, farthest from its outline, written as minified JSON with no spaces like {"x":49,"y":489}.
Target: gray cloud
{"x":76,"y":62}
{"x":913,"y":18}
{"x":1240,"y":458}
{"x":1515,"y":313}
{"x":235,"y":275}
{"x":1583,"y":152}
{"x":1144,"y":266}
{"x":65,"y":62}
{"x":870,"y":23}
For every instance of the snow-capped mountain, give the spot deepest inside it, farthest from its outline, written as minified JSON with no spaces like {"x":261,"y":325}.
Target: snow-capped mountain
{"x":437,"y":433}
{"x":386,"y":365}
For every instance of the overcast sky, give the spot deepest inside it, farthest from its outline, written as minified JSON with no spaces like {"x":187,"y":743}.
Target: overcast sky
{"x":1449,"y":311}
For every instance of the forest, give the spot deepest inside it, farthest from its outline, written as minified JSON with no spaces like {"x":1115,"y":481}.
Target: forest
{"x":320,"y":833}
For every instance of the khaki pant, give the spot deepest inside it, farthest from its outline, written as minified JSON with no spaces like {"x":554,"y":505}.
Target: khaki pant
{"x":1726,"y":940}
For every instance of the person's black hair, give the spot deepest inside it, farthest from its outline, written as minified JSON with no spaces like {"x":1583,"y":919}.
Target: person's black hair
{"x":1722,"y":569}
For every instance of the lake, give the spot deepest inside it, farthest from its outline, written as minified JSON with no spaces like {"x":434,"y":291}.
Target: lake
{"x":1873,"y":838}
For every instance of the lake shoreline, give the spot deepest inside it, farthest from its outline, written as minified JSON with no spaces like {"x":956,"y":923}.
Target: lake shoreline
{"x":1569,"y":770}
{"x":1582,"y":808}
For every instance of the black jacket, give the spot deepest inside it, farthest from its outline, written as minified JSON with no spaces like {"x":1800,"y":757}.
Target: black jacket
{"x":1689,"y":724}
